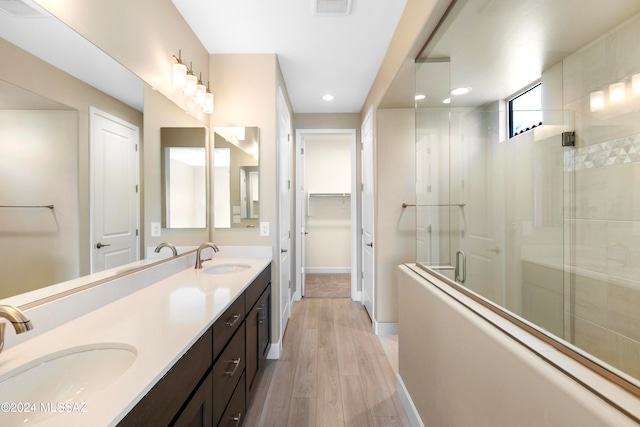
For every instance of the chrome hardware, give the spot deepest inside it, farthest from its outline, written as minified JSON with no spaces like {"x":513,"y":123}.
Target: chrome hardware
{"x":495,"y":250}
{"x":28,"y":206}
{"x":18,"y":319}
{"x":236,"y":363}
{"x":237,"y":419}
{"x":461,"y":278}
{"x":166,"y":245}
{"x":199,"y":260}
{"x":230,"y":323}
{"x":100,"y":245}
{"x":369,"y":244}
{"x":282,"y":251}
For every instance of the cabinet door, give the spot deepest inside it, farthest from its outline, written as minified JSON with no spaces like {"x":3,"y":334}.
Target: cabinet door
{"x":251,"y":348}
{"x":199,"y":409}
{"x":264,"y":324}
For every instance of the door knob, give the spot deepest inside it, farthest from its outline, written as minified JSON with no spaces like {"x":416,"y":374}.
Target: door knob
{"x":100,"y":245}
{"x":283,"y":251}
{"x":369,"y":244}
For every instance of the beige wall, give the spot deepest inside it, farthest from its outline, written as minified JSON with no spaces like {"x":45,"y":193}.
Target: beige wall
{"x":161,"y":112}
{"x":394,"y":225}
{"x":246,"y":88}
{"x":461,"y":371}
{"x":28,"y":72}
{"x":39,"y":167}
{"x":142,"y":36}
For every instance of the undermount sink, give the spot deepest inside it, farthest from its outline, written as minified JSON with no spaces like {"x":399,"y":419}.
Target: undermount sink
{"x":226,"y":268}
{"x":68,"y":378}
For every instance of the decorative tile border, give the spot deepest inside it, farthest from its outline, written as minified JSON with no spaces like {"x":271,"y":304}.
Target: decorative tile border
{"x":618,"y":151}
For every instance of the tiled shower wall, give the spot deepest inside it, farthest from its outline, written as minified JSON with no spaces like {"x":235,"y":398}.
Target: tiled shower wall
{"x":604,"y":218}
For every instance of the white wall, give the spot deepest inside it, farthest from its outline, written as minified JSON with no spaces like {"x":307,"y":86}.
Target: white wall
{"x":39,"y":247}
{"x":328,"y":221}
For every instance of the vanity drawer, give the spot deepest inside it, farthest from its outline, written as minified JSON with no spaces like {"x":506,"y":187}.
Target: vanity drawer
{"x":255,"y":289}
{"x":227,"y":324}
{"x":227,"y":372}
{"x":234,"y":415}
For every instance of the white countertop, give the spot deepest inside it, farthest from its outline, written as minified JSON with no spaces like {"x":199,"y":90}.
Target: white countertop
{"x":161,"y":321}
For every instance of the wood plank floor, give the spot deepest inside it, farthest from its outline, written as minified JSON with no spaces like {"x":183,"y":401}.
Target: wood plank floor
{"x":333,"y":372}
{"x":327,"y":285}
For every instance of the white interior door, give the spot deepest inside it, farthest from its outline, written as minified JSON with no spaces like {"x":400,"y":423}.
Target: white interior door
{"x":284,"y":201}
{"x":301,"y":209}
{"x":114,"y":191}
{"x":368,"y":296}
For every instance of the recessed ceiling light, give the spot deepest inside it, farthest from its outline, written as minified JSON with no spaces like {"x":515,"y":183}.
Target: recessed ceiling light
{"x":420,"y":97}
{"x":446,"y":101}
{"x":328,"y":97}
{"x":460,"y":90}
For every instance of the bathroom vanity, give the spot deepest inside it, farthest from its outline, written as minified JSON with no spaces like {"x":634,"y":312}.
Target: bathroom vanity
{"x":211,"y":384}
{"x":168,"y":345}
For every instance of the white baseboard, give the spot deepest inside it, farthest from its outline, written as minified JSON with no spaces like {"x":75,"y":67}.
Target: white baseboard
{"x":356,"y":296}
{"x":275,"y":350}
{"x":385,"y":328}
{"x":327,"y":270}
{"x":407,"y":403}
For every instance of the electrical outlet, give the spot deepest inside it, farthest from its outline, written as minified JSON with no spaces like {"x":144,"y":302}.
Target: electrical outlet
{"x":264,"y":229}
{"x":155,"y":229}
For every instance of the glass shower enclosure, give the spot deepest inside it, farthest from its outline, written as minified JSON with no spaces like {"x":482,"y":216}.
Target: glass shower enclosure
{"x":544,"y":225}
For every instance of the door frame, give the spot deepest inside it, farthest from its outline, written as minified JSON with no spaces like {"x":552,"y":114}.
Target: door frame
{"x":93,"y":111}
{"x":300,"y":196}
{"x":369,"y":120}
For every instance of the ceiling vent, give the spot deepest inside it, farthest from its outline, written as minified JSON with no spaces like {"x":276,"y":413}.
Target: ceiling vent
{"x":332,"y":7}
{"x":22,"y":9}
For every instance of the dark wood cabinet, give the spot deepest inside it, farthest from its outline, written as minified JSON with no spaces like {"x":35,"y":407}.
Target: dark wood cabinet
{"x":258,"y":339}
{"x":198,"y":411}
{"x":211,"y":384}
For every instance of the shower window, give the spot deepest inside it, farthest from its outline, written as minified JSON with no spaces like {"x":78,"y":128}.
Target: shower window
{"x":525,"y":111}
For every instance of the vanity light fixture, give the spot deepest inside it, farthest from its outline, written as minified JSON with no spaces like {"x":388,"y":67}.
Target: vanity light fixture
{"x":596,"y":101}
{"x":201,"y":91}
{"x":460,"y":91}
{"x":192,"y":82}
{"x":616,"y":93}
{"x":179,"y":72}
{"x":328,"y":97}
{"x":207,"y":108}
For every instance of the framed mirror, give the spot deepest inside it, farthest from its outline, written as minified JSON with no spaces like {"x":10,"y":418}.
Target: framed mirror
{"x":183,"y":170}
{"x":236,"y":177}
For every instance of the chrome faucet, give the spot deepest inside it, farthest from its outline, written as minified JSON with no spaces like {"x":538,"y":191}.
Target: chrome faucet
{"x":18,"y":319}
{"x":200,"y":248}
{"x":166,"y":245}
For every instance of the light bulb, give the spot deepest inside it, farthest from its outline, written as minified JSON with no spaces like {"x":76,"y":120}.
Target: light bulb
{"x":190,"y":86}
{"x":616,"y":93}
{"x":207,"y":108}
{"x":179,"y":75}
{"x":201,"y":91}
{"x":596,"y":101}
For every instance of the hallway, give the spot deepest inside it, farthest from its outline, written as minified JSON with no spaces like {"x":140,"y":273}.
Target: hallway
{"x":333,"y":372}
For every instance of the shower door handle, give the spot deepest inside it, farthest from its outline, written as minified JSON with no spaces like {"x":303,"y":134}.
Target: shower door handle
{"x":461,"y":267}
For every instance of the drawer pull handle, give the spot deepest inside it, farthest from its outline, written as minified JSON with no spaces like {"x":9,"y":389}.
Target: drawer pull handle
{"x":230,"y":323}
{"x":236,"y":363}
{"x":237,"y":419}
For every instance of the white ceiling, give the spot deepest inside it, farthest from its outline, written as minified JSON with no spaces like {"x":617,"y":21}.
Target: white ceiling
{"x":339,"y":55}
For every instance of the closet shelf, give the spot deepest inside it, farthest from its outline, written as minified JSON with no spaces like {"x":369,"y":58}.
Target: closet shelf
{"x":310,"y":195}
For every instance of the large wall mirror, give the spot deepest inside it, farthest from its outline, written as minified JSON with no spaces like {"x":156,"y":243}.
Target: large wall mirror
{"x":45,"y":180}
{"x":184,"y":177}
{"x":236,"y":177}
